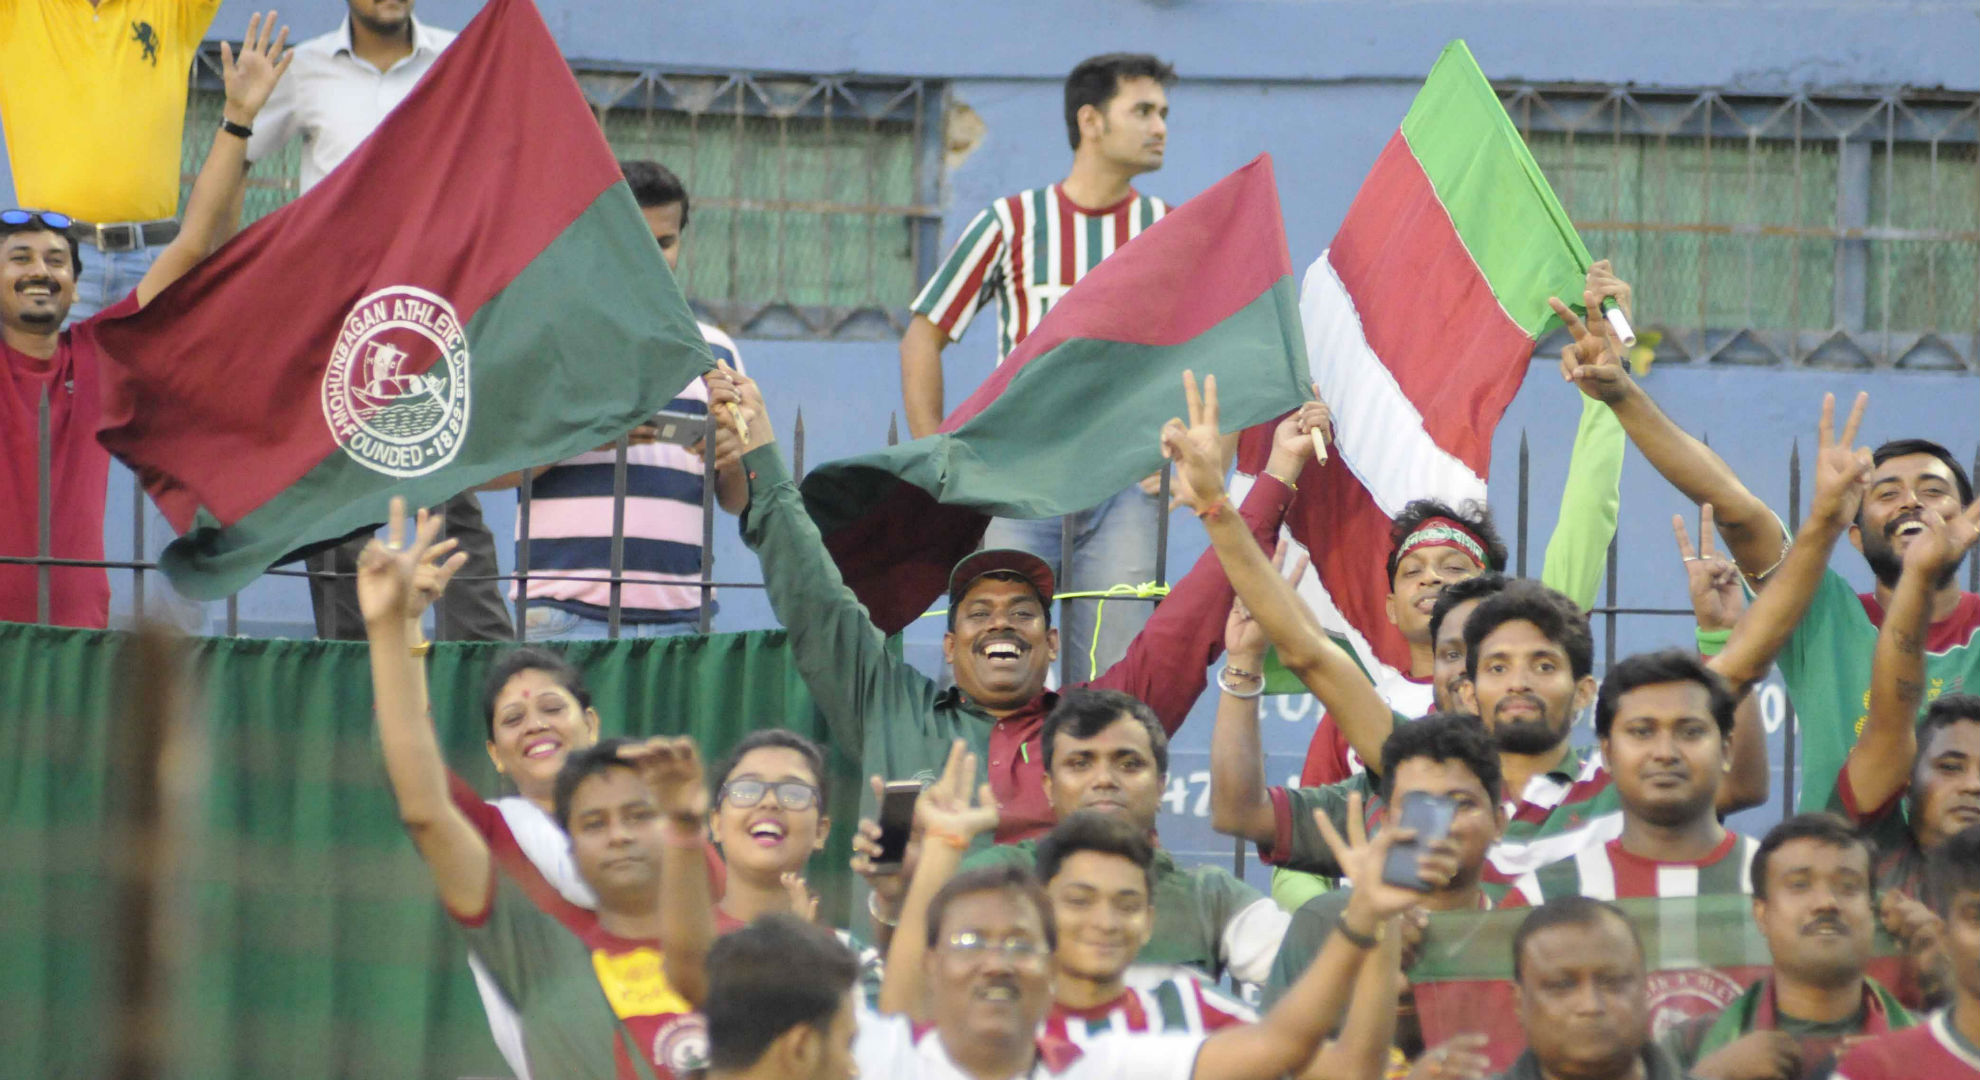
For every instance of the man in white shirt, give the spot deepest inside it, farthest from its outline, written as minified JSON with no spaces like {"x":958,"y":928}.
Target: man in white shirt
{"x":343,"y":83}
{"x":340,"y":87}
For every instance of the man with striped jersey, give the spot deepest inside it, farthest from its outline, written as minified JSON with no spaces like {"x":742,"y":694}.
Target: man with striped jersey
{"x":1946,"y":1047}
{"x":1105,"y":752}
{"x":1096,"y":870}
{"x":1537,"y":680}
{"x":1027,"y":250}
{"x":572,"y":511}
{"x":1665,"y":724}
{"x":1444,"y":755}
{"x":969,"y":973}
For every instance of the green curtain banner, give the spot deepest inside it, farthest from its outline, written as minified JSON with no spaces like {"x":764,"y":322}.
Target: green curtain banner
{"x":314,"y":946}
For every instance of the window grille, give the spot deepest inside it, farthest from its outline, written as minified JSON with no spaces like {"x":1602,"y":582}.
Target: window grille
{"x":1810,"y":230}
{"x":812,"y":197}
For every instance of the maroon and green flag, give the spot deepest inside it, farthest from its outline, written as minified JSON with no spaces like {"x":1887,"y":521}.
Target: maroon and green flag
{"x":472,"y":292}
{"x":1073,"y":415}
{"x":1421,"y":318}
{"x":1700,"y":953}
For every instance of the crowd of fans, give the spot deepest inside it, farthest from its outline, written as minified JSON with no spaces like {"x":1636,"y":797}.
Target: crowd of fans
{"x":631,"y":912}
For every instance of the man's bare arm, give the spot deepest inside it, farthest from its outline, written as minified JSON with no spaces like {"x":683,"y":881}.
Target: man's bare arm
{"x":389,"y":594}
{"x":216,"y":192}
{"x":1751,"y":530}
{"x":921,"y":375}
{"x":1880,"y":764}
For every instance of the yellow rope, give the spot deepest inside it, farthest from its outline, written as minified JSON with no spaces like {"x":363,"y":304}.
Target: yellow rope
{"x":1147,"y":590}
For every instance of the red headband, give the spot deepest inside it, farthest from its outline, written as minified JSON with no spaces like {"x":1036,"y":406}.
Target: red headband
{"x":1444,"y":532}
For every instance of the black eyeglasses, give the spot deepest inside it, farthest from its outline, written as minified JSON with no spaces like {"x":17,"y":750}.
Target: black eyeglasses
{"x":48,"y":219}
{"x":791,"y":794}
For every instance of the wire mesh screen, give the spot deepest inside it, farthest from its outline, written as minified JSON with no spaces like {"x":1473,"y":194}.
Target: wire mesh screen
{"x":1834,"y":232}
{"x":270,"y":184}
{"x":812,"y":198}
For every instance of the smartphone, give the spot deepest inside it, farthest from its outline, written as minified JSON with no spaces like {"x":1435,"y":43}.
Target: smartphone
{"x":1430,"y":815}
{"x":678,"y":428}
{"x":896,"y":823}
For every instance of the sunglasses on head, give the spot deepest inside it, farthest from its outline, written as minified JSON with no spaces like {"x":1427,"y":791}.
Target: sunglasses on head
{"x":47,"y":219}
{"x":791,"y":794}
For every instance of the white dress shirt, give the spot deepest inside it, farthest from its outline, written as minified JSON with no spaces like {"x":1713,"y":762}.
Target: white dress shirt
{"x":335,"y":100}
{"x":888,"y":1046}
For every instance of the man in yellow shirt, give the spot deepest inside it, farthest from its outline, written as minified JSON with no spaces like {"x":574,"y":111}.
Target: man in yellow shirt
{"x":93,"y":105}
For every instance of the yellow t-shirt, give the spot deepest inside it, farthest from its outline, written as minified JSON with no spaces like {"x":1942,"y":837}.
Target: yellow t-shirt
{"x":93,"y":102}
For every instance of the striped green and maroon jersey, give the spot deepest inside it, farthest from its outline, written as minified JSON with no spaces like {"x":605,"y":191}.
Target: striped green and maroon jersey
{"x":1028,"y":249}
{"x":1179,"y":1004}
{"x":1607,"y":872}
{"x":1934,"y":1048}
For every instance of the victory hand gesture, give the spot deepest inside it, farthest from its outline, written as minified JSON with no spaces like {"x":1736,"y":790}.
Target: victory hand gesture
{"x":1194,"y":447}
{"x":1593,"y":361}
{"x":1361,"y":859}
{"x":945,"y":807}
{"x":1717,"y":597}
{"x":263,"y":60}
{"x":1942,"y":543}
{"x":1841,"y":473}
{"x":397,"y":577}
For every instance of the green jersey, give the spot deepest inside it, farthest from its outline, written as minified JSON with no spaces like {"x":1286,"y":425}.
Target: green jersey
{"x":1826,"y":666}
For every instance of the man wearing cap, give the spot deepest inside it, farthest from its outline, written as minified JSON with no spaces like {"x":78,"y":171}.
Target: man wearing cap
{"x":1000,"y":642}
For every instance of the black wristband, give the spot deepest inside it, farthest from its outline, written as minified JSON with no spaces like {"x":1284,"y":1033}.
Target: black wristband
{"x":232,"y":128}
{"x":1355,"y":938}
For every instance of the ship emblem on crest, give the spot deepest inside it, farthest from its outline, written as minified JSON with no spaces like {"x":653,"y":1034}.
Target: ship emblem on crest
{"x":395,"y":392}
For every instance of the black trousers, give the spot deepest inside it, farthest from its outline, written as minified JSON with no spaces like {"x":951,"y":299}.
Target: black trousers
{"x":468,"y":611}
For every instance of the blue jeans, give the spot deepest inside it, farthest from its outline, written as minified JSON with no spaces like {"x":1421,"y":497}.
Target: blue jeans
{"x":546,"y":623}
{"x":1113,"y":544}
{"x":108,"y":277}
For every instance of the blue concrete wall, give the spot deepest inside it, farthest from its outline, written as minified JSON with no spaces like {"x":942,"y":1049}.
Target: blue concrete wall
{"x":1320,"y":86}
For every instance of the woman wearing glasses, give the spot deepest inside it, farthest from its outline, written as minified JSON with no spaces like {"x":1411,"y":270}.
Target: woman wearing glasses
{"x":769,"y":819}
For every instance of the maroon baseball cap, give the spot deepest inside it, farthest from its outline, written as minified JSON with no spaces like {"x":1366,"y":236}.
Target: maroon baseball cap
{"x":1001,"y":560}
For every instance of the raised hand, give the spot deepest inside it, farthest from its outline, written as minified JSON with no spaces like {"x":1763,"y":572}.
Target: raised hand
{"x":1842,"y":469}
{"x":1717,"y":596}
{"x":946,"y":807}
{"x":1244,"y":639}
{"x":1942,"y":543}
{"x":1293,"y":439}
{"x":804,"y":903}
{"x":671,"y":769}
{"x":1194,"y":446}
{"x":736,"y":403}
{"x":250,"y":79}
{"x":1361,"y":859}
{"x":398,"y":577}
{"x":1593,"y":361}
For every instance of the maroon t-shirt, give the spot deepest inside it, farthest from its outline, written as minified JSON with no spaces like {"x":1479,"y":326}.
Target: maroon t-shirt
{"x":79,"y":473}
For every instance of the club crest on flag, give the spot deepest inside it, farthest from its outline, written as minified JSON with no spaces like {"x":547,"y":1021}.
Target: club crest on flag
{"x":395,"y":392}
{"x":1678,"y":996}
